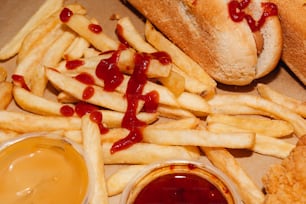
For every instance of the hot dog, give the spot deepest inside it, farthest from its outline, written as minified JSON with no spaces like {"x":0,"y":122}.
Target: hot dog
{"x":235,"y":42}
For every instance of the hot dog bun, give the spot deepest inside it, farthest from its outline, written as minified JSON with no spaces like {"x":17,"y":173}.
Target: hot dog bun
{"x":203,"y":29}
{"x":293,"y":21}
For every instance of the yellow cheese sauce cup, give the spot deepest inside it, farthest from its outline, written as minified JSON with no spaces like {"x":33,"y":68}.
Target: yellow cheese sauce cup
{"x":42,"y":169}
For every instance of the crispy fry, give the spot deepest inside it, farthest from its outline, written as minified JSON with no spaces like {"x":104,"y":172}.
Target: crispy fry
{"x":185,"y":123}
{"x":3,"y":74}
{"x":182,"y":61}
{"x":120,"y":179}
{"x":101,"y":41}
{"x":7,"y":135}
{"x":223,"y":160}
{"x":198,"y":138}
{"x":174,"y":113}
{"x":76,"y":49}
{"x":293,"y":104}
{"x":26,"y":122}
{"x":6,"y":95}
{"x":259,"y":125}
{"x":94,"y":152}
{"x":144,"y":153}
{"x":45,"y":10}
{"x":111,"y":100}
{"x":276,"y":110}
{"x":264,"y":144}
{"x":35,"y":104}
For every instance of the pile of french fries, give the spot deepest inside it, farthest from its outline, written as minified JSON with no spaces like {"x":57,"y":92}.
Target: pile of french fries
{"x":192,"y":119}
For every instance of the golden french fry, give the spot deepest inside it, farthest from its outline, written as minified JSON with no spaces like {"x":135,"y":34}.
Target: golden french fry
{"x":275,"y":110}
{"x":6,"y":135}
{"x":90,"y":52}
{"x":198,"y":138}
{"x":174,"y":113}
{"x":264,"y":144}
{"x":223,"y":160}
{"x":166,"y":97}
{"x":174,"y":82}
{"x":101,"y":41}
{"x":50,"y":59}
{"x":185,"y":123}
{"x":194,"y":103}
{"x":26,"y":122}
{"x":76,"y":49}
{"x":94,"y":153}
{"x":144,"y":153}
{"x":258,"y":125}
{"x":183,"y":62}
{"x":29,"y":68}
{"x":111,"y":100}
{"x":64,"y":97}
{"x":234,"y":109}
{"x":45,"y":10}
{"x":117,"y":181}
{"x":6,"y":94}
{"x":293,"y":104}
{"x":35,"y":104}
{"x":3,"y":74}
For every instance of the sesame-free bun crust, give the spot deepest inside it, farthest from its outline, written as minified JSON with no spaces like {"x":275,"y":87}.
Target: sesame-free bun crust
{"x":204,"y":31}
{"x":293,"y":21}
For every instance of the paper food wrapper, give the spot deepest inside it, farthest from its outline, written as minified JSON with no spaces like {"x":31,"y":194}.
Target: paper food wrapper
{"x":14,"y":13}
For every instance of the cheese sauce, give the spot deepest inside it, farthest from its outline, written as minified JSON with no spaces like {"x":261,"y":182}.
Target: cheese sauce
{"x":42,"y":170}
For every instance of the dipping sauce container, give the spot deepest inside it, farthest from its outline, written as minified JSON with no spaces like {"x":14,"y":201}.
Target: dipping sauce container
{"x":180,"y":182}
{"x":42,"y":169}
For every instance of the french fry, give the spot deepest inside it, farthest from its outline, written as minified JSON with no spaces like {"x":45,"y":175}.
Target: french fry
{"x":259,"y":125}
{"x":45,"y":10}
{"x":94,"y":152}
{"x":101,"y":41}
{"x":64,"y":97}
{"x":185,"y":123}
{"x":179,"y":58}
{"x":174,"y":113}
{"x":27,"y":122}
{"x":6,"y":135}
{"x":234,"y":109}
{"x":264,"y":144}
{"x":120,"y":179}
{"x":174,"y":82}
{"x":50,"y":59}
{"x":111,"y":100}
{"x":144,"y":153}
{"x":6,"y":94}
{"x":223,"y":160}
{"x":198,"y":138}
{"x":276,"y":110}
{"x":166,"y":97}
{"x":35,"y":104}
{"x":28,"y":67}
{"x":3,"y":74}
{"x":194,"y":103}
{"x":293,"y":104}
{"x":76,"y":49}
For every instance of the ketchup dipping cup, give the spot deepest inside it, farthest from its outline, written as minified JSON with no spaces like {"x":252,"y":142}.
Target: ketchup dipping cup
{"x":43,"y":169}
{"x":180,"y":181}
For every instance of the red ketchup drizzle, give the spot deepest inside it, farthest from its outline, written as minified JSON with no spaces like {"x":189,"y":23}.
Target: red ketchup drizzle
{"x":81,"y":108}
{"x":66,"y":111}
{"x":180,"y":188}
{"x":237,"y":14}
{"x":65,"y":15}
{"x":85,"y":78}
{"x":108,"y":71}
{"x":18,"y":79}
{"x":97,"y":117}
{"x":73,"y":64}
{"x":119,"y":33}
{"x":88,"y":92}
{"x":133,"y":94}
{"x":95,"y":28}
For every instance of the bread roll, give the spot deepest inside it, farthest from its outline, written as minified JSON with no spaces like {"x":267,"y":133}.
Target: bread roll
{"x":293,"y":21}
{"x":227,"y":50}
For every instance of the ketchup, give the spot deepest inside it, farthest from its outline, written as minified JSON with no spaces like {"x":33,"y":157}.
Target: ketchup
{"x":65,"y":15}
{"x":180,"y":188}
{"x":95,"y":28}
{"x":19,"y":79}
{"x":73,"y":64}
{"x":237,"y":14}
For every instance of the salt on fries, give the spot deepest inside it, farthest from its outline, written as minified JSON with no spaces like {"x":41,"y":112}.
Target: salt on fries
{"x":190,"y":115}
